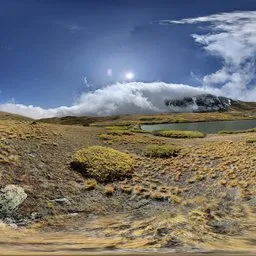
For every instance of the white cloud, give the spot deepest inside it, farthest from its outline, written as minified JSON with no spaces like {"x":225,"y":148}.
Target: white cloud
{"x":232,"y":37}
{"x":118,"y":98}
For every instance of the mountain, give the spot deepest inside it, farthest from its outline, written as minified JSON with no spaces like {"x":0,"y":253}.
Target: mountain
{"x":201,"y":103}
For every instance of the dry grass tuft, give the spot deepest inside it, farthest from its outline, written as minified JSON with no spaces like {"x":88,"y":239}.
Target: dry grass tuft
{"x":90,"y":184}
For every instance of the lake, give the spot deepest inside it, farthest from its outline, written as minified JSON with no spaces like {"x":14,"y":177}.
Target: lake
{"x":205,"y":127}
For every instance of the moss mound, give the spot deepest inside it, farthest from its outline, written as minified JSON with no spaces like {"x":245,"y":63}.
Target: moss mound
{"x":118,"y":130}
{"x":160,"y":151}
{"x":103,"y":163}
{"x":179,"y":134}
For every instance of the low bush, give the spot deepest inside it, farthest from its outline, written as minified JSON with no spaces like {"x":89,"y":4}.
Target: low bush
{"x":102,"y":163}
{"x":117,"y":127}
{"x":237,"y":131}
{"x":251,"y":140}
{"x":160,"y":151}
{"x":179,"y":134}
{"x":119,"y":132}
{"x":140,"y":131}
{"x":105,"y":136}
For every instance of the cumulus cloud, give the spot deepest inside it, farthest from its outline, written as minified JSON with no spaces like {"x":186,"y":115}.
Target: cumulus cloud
{"x":231,"y":37}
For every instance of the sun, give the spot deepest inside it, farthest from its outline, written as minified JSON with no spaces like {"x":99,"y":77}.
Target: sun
{"x":129,"y":75}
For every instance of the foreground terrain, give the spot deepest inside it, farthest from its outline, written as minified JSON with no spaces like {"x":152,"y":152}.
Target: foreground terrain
{"x":201,"y":198}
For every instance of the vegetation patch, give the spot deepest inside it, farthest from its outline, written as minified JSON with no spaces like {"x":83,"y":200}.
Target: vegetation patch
{"x":161,"y":150}
{"x":117,"y":127}
{"x":7,"y":155}
{"x":140,"y":131}
{"x":119,"y":132}
{"x":90,"y":184}
{"x":238,"y":131}
{"x":251,"y":140}
{"x":103,"y":163}
{"x":179,"y":134}
{"x":105,"y":136}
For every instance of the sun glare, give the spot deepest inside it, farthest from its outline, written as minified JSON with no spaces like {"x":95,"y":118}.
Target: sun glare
{"x":129,"y":75}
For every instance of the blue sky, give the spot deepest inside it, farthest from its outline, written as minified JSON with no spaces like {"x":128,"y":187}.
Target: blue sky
{"x":49,"y":48}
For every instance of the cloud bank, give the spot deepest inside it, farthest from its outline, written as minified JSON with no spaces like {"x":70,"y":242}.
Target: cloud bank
{"x":230,"y":36}
{"x":115,"y":99}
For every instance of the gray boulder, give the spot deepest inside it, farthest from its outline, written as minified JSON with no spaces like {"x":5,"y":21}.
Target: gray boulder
{"x":10,"y":198}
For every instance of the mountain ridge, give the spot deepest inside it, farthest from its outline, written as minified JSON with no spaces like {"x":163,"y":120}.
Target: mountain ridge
{"x":204,"y":103}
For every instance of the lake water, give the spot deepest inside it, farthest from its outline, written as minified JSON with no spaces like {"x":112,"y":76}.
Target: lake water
{"x":205,"y":127}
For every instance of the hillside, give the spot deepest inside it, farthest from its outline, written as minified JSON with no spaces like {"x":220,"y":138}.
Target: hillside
{"x":192,"y":186}
{"x":234,"y":114}
{"x":9,"y":116}
{"x":241,"y":105}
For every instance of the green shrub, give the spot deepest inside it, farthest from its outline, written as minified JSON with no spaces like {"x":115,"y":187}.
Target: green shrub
{"x":179,"y":134}
{"x":105,"y":136}
{"x":102,"y":163}
{"x":119,"y":132}
{"x":117,"y":127}
{"x":251,"y":140}
{"x":160,"y":150}
{"x":238,"y":131}
{"x":140,"y":131}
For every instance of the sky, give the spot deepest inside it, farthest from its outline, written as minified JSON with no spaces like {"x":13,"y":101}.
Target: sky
{"x":72,"y":57}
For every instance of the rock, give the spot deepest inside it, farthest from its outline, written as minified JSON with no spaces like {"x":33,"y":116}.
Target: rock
{"x":252,"y":201}
{"x":10,"y":198}
{"x":35,"y":216}
{"x":32,"y":155}
{"x":73,"y":214}
{"x":62,"y":201}
{"x":24,"y":222}
{"x":13,"y":226}
{"x":10,"y":223}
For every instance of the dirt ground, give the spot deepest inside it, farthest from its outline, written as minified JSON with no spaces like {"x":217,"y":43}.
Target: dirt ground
{"x":202,"y":199}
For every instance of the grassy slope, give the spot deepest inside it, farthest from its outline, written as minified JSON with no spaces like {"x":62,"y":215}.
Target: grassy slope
{"x":9,"y":116}
{"x":209,"y":188}
{"x":154,"y":118}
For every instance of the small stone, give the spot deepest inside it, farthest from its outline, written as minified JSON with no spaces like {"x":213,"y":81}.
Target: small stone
{"x":13,"y":226}
{"x":35,"y":215}
{"x":73,"y":214}
{"x":62,"y":201}
{"x":31,"y":155}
